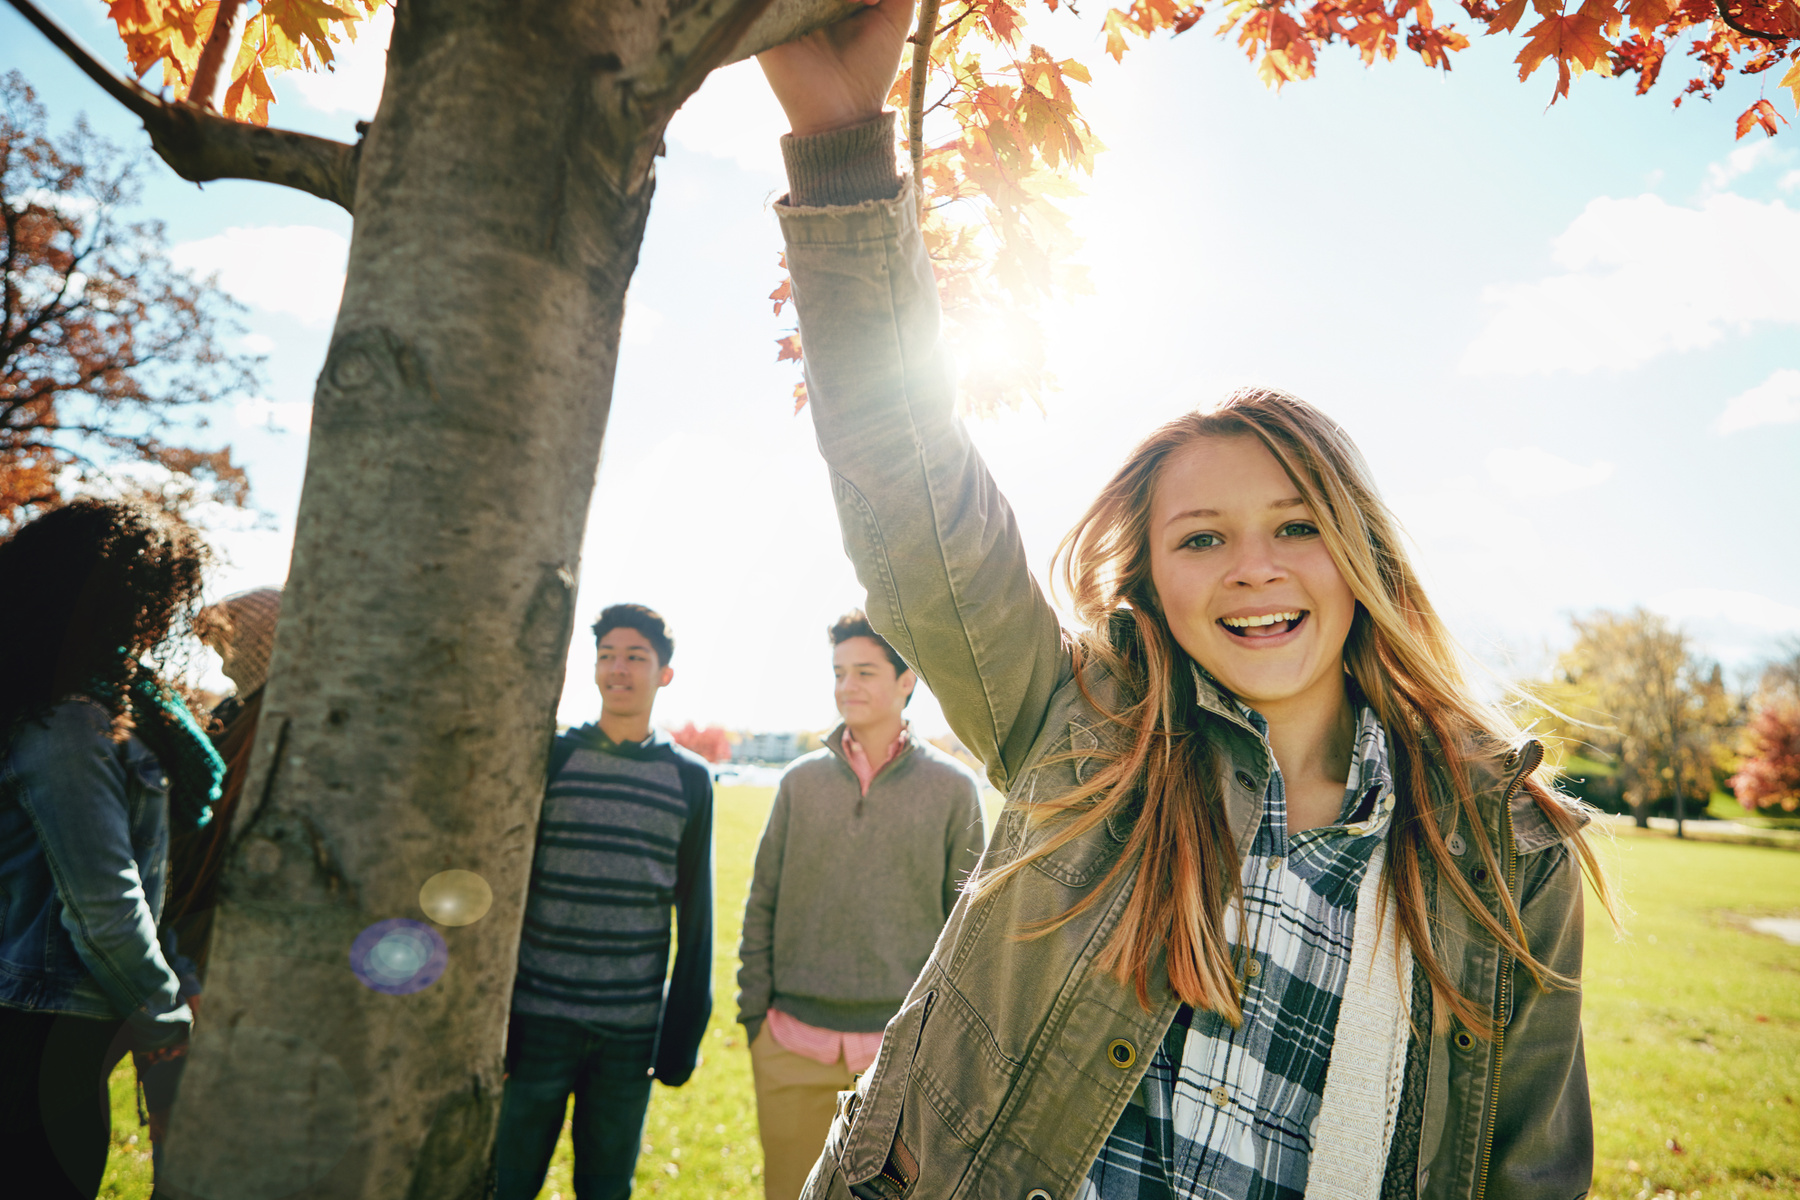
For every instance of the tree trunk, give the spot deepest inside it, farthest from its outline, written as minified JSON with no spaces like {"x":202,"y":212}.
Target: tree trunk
{"x":457,"y":423}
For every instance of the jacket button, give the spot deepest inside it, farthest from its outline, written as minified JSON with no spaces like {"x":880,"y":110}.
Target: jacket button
{"x":1464,"y":1040}
{"x":1037,"y":1194}
{"x":1253,"y":968}
{"x":1122,"y":1053}
{"x":1245,"y":782}
{"x":1455,"y":844}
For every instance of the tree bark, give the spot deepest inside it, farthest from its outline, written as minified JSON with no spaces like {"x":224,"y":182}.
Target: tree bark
{"x":500,"y":199}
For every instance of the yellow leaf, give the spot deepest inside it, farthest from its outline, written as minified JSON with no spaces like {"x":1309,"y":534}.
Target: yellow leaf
{"x":1115,"y":33}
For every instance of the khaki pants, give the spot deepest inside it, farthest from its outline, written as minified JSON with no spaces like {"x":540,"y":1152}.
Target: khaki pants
{"x":796,"y":1099}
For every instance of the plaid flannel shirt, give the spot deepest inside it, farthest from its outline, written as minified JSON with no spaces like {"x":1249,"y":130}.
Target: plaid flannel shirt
{"x":1228,"y":1114}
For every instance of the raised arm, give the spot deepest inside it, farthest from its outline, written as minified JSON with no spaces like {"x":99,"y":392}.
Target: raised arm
{"x":931,"y":537}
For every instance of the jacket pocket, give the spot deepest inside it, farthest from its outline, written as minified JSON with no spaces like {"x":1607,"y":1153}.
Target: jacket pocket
{"x":870,"y":1153}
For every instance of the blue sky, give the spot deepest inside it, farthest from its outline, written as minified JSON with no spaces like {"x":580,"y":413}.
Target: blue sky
{"x":1565,"y":338}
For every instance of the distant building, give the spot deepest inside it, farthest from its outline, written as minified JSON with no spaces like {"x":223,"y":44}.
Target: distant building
{"x":766,"y":747}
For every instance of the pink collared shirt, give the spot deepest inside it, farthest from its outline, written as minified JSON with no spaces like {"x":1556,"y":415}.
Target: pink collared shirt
{"x":858,"y":758}
{"x":823,"y":1045}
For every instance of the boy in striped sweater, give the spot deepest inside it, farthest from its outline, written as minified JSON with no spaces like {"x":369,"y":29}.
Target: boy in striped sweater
{"x":625,"y":834}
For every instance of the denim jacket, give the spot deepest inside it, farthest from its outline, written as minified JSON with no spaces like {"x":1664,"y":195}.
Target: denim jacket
{"x":84,"y":842}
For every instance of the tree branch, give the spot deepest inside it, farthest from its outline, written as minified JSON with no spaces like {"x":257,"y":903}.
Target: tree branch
{"x":715,"y":47}
{"x":784,"y":20}
{"x":1732,"y":23}
{"x":212,"y":74}
{"x":201,"y":146}
{"x":915,"y":101}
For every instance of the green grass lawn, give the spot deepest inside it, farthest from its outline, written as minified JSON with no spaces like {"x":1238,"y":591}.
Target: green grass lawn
{"x":1693,"y":1025}
{"x":1693,"y":1038}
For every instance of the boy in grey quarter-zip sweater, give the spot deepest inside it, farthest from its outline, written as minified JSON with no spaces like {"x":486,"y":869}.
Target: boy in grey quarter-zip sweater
{"x":866,"y":849}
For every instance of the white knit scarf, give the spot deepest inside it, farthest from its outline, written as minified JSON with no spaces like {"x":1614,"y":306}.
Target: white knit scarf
{"x":1361,"y":1100}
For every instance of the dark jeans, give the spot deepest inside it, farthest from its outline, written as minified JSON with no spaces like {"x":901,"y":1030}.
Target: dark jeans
{"x":546,"y":1059}
{"x":55,"y":1118}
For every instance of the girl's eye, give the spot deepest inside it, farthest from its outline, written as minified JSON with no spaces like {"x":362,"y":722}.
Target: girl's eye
{"x":1299,"y":529}
{"x":1201,"y":541}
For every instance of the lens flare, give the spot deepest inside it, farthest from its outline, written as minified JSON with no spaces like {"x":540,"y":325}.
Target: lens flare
{"x":398,"y":956}
{"x":456,"y":897}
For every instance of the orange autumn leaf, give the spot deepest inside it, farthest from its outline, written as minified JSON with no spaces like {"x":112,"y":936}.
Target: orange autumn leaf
{"x":1647,"y":15}
{"x":279,"y":35}
{"x":1761,"y":113}
{"x":1576,"y":43}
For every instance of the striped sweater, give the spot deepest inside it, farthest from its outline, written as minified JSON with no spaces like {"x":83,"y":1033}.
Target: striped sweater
{"x":625,"y":834}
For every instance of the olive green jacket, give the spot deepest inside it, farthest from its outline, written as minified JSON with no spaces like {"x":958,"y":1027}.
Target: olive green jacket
{"x":1012,"y":1059}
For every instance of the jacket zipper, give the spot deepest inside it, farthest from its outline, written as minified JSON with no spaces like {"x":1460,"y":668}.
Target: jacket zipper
{"x":1532,"y":755}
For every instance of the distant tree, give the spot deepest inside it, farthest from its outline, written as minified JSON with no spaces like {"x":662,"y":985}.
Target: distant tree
{"x":104,"y":345}
{"x":1769,"y":777}
{"x":712,"y":743}
{"x":1780,"y":682}
{"x":1631,"y":691}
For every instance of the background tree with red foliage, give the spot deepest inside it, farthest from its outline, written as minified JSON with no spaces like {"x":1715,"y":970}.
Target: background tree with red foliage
{"x":1769,"y":778}
{"x":105,"y":347}
{"x":712,"y":743}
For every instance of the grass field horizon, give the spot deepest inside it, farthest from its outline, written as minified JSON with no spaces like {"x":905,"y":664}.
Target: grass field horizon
{"x":1692,"y":1025}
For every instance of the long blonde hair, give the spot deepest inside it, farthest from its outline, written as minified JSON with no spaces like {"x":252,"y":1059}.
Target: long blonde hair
{"x":1401,"y":656}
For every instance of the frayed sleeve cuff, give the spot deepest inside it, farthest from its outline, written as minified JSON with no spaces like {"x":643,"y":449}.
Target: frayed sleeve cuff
{"x":843,"y":167}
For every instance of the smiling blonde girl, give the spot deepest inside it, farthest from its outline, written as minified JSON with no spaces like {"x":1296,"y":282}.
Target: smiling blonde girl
{"x":1276,"y":907}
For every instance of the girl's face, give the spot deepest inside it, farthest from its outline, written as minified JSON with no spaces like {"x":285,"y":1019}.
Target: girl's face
{"x":1243,"y":576}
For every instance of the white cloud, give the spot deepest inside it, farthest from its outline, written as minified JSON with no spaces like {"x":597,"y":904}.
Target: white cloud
{"x":293,"y":269}
{"x":1739,"y":162}
{"x":1790,"y":182}
{"x":281,"y":416}
{"x":354,"y":86}
{"x":1774,"y":401}
{"x":257,"y":343}
{"x":1740,"y":629}
{"x":1529,"y":471}
{"x":734,"y":115}
{"x":1743,"y":608}
{"x":1641,"y":278}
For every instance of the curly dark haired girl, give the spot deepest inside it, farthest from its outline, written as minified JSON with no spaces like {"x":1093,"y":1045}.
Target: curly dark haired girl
{"x":89,"y":589}
{"x":98,"y":758}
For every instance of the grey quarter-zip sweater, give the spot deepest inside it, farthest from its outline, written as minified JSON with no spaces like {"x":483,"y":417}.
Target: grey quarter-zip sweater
{"x":851,"y":891}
